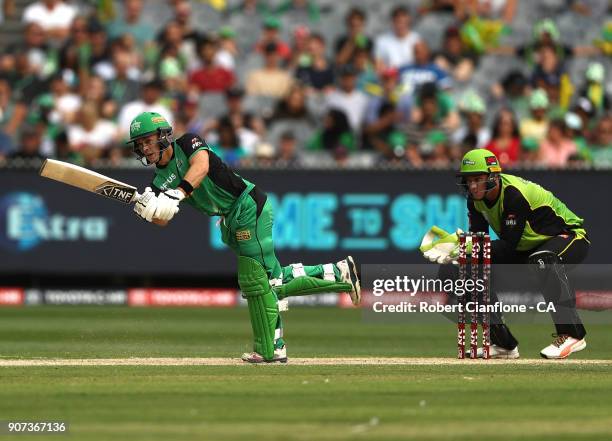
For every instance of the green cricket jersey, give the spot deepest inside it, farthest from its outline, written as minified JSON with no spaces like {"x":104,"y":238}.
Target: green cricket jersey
{"x":525,"y":214}
{"x":219,"y":190}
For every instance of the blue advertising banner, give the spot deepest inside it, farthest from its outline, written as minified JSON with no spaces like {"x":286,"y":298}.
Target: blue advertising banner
{"x":320,"y":216}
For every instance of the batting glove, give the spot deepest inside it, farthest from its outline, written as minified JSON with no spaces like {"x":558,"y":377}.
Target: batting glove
{"x":146,"y":205}
{"x":168,"y":204}
{"x":175,"y":194}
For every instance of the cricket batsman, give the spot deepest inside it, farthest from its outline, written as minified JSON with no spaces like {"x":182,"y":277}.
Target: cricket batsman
{"x":535,"y":228}
{"x":188,"y":172}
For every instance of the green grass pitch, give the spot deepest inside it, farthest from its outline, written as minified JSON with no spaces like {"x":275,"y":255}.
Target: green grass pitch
{"x":552,"y":401}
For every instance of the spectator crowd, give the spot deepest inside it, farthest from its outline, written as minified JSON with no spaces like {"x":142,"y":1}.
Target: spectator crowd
{"x":312,"y":82}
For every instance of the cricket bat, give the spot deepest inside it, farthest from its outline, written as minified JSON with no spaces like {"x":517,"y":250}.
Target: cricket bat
{"x":88,"y":180}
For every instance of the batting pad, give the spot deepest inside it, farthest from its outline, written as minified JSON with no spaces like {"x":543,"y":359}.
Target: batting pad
{"x":262,"y":304}
{"x":306,"y":285}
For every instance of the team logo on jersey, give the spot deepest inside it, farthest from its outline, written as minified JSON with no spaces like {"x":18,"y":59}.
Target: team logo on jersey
{"x":491,"y":160}
{"x":243,"y":235}
{"x":511,"y":220}
{"x":195,"y":143}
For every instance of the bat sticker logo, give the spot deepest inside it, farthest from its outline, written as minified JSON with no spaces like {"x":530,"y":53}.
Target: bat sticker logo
{"x":117,"y":192}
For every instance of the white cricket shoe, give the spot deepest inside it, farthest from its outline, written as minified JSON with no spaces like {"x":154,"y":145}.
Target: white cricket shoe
{"x":500,"y":353}
{"x":280,"y":356}
{"x":562,"y":346}
{"x":348,"y":274}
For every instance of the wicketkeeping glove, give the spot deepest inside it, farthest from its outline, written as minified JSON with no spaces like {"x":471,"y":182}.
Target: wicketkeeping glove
{"x":146,"y":205}
{"x":439,"y":246}
{"x":168,"y":204}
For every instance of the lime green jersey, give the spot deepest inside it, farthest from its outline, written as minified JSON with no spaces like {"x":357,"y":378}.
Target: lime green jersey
{"x":524,"y":214}
{"x":219,"y":190}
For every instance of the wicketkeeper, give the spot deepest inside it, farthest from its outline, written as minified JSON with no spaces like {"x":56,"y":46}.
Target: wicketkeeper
{"x":188,"y":172}
{"x":534,"y":227}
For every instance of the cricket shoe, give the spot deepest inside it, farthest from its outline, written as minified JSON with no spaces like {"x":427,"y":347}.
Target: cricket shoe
{"x":499,"y":353}
{"x":562,"y":346}
{"x":280,"y":356}
{"x":348,"y":274}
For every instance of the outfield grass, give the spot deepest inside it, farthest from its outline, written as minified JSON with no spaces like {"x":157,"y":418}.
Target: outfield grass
{"x":283,"y":402}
